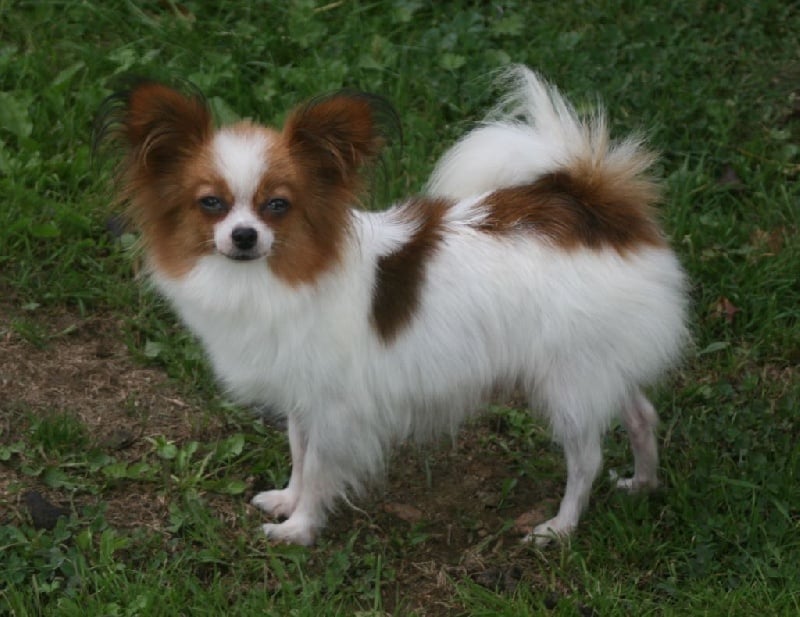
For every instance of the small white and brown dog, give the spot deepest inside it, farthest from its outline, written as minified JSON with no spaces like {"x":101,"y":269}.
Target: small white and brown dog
{"x":534,"y":261}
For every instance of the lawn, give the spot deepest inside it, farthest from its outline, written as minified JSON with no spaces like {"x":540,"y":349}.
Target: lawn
{"x":125,"y":475}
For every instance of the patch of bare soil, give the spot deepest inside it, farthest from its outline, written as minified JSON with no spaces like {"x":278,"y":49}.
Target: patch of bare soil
{"x":443,"y":509}
{"x":81,"y":366}
{"x":451,"y":499}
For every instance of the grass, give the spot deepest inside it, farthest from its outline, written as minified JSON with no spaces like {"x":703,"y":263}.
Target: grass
{"x":157,"y":521}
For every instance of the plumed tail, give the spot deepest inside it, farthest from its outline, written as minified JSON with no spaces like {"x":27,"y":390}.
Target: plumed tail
{"x":532,"y":132}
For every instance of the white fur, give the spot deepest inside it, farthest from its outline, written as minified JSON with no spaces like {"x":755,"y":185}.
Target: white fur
{"x":241,"y":158}
{"x":532,"y":131}
{"x":580,"y":332}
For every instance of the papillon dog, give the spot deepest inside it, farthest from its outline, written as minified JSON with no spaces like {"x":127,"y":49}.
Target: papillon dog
{"x":532,"y":262}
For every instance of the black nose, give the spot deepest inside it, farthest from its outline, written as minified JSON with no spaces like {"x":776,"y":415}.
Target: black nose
{"x":244,"y":238}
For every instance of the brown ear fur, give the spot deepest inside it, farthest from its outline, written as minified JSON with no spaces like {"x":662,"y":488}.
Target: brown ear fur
{"x":158,"y":125}
{"x":163,"y":125}
{"x":339,"y":134}
{"x":161,"y":131}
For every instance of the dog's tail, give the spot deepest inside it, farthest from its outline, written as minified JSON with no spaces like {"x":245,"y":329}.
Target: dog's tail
{"x":533,"y":131}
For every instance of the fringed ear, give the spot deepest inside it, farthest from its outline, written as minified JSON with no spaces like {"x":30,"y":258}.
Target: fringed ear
{"x":158,"y":125}
{"x":338,"y":134}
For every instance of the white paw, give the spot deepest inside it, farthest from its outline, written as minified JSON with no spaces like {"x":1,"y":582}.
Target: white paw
{"x":633,"y":484}
{"x":279,"y":503}
{"x":547,"y":532}
{"x":291,"y":531}
{"x":626,"y":484}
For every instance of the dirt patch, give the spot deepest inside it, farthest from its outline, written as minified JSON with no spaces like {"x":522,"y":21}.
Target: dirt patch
{"x":80,"y":366}
{"x":84,"y":368}
{"x":459,"y":518}
{"x":448,"y":509}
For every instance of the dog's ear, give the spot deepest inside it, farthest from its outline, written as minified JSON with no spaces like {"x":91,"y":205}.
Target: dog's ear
{"x":338,"y":134}
{"x":159,"y":125}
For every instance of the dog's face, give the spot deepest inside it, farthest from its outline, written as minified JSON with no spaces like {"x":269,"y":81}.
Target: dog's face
{"x":244,"y":192}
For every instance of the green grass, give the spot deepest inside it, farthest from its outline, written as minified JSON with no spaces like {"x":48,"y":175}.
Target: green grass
{"x":715,"y":88}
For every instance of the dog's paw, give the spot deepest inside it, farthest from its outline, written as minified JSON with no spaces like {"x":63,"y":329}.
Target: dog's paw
{"x":278,"y":503}
{"x":549,"y":531}
{"x":290,"y":532}
{"x":633,"y":484}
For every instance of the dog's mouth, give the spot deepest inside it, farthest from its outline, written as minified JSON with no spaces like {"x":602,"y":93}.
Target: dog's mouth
{"x":243,"y":255}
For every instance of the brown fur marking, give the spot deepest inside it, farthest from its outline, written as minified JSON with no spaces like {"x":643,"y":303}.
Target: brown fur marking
{"x":167,"y":133}
{"x":578,"y":209}
{"x":400,"y":275}
{"x":318,"y":160}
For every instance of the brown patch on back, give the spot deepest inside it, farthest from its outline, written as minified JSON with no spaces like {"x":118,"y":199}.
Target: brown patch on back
{"x":400,"y":274}
{"x":578,"y":208}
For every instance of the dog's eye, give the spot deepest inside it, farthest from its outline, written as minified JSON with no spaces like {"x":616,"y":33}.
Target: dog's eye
{"x":212,"y":204}
{"x":276,"y":205}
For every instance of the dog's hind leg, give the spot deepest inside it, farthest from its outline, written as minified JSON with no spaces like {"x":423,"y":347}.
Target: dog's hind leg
{"x":584,"y":458}
{"x":641,"y":421}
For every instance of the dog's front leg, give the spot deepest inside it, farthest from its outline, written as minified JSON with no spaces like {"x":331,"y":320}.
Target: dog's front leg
{"x":282,"y":503}
{"x":314,"y":485}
